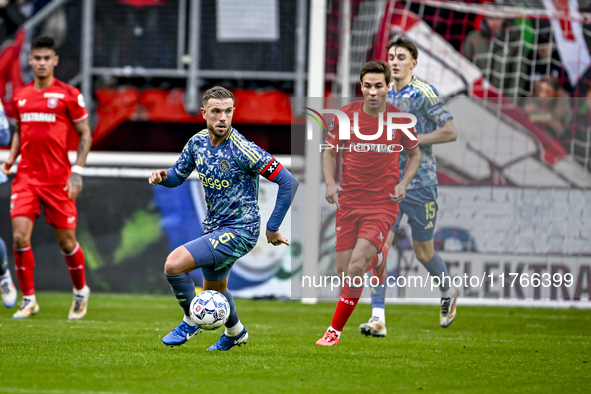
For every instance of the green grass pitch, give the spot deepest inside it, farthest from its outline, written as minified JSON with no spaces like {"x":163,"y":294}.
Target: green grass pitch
{"x":117,"y":349}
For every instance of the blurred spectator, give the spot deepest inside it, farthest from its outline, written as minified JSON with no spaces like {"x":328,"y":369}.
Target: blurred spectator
{"x":582,"y":138}
{"x":13,"y":13}
{"x":30,"y":7}
{"x":545,"y":61}
{"x":495,"y":48}
{"x":550,"y":108}
{"x":10,"y":18}
{"x":138,"y":33}
{"x":26,"y":7}
{"x":56,"y":26}
{"x":150,"y":31}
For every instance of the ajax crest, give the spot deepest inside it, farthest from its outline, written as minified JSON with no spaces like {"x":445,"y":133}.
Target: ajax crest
{"x":225,"y":165}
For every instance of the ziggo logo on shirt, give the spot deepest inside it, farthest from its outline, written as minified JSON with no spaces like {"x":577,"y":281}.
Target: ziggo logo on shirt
{"x":213,"y":183}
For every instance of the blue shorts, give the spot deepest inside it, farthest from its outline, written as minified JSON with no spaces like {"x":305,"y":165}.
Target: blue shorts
{"x":216,"y":252}
{"x":420,"y":205}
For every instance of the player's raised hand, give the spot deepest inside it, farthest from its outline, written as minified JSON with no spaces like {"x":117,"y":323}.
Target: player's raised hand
{"x":332,"y":194}
{"x":74,"y":186}
{"x":157,"y":177}
{"x":399,"y":193}
{"x":6,"y":166}
{"x":276,"y":238}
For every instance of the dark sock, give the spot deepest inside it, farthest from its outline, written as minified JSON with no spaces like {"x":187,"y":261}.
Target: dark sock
{"x":233,"y":319}
{"x":436,"y":267}
{"x":183,"y":288}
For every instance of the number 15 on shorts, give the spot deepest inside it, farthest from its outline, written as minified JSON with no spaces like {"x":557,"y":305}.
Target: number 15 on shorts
{"x":430,"y":210}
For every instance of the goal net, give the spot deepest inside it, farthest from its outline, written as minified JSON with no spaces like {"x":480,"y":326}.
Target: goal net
{"x":507,"y":49}
{"x":517,"y":181}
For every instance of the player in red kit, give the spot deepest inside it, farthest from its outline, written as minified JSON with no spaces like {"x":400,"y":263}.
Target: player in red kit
{"x":46,"y":109}
{"x":368,"y":197}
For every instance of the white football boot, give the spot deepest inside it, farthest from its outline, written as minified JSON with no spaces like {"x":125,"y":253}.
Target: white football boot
{"x":448,"y":309}
{"x":374,"y":327}
{"x":79,"y":304}
{"x":7,"y":290}
{"x":29,"y":307}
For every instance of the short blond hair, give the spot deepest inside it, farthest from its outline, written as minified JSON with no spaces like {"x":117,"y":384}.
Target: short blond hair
{"x":217,"y":92}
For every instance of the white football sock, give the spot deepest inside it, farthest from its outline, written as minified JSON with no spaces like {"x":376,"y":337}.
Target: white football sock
{"x":31,"y":298}
{"x":233,"y":331}
{"x":189,"y":321}
{"x":380,"y":259}
{"x":80,"y":292}
{"x":336,"y":331}
{"x":448,"y":293}
{"x":380,"y":313}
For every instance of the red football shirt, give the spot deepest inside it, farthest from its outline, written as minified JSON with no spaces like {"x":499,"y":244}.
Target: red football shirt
{"x":45,"y":118}
{"x":370,"y":168}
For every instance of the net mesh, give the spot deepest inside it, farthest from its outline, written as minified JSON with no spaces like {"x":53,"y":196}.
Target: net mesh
{"x":517,"y":50}
{"x":514,"y":177}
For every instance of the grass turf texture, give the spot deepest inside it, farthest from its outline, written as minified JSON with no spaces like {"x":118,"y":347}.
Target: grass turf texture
{"x":117,"y":349}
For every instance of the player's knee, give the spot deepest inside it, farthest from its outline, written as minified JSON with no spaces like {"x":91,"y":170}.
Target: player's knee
{"x":67,"y":246}
{"x":179,"y":261}
{"x":355,"y":270}
{"x":21,"y":240}
{"x":172,"y":267}
{"x":424,"y":255}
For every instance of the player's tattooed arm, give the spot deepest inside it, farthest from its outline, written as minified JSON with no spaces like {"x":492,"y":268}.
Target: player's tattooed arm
{"x":15,"y":149}
{"x":83,"y":130}
{"x":74,"y":184}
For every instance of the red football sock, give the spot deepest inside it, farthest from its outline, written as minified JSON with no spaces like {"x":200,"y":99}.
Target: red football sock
{"x":75,"y":261}
{"x":373,"y":262}
{"x":347,"y":301}
{"x":381,"y":270}
{"x":385,"y":250}
{"x":25,"y":267}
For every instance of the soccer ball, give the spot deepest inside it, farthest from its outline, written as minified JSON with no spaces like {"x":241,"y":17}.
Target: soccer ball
{"x":210,"y":310}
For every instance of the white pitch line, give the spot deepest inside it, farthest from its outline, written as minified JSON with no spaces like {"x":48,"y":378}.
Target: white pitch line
{"x":41,"y":391}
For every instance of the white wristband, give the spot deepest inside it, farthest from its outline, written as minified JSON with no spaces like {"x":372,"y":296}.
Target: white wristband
{"x":77,"y":170}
